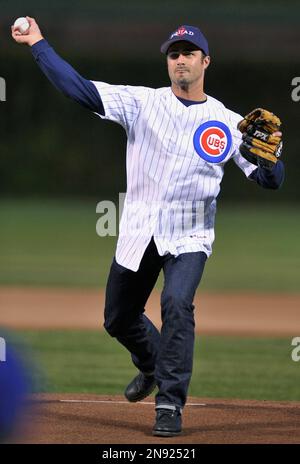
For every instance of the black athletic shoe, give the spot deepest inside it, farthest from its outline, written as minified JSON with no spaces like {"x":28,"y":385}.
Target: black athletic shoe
{"x":140,"y":387}
{"x":168,"y":423}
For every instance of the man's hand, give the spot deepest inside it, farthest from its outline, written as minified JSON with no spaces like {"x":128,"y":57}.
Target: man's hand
{"x":32,"y":36}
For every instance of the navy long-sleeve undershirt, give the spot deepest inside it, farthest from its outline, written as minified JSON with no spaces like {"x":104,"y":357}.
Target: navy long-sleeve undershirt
{"x":269,"y":179}
{"x":67,"y":80}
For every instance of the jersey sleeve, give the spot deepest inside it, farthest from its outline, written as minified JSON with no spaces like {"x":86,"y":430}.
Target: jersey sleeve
{"x":121,"y":103}
{"x":240,"y":161}
{"x":243,"y":164}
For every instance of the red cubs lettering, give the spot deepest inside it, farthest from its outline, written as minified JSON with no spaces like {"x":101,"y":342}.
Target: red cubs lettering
{"x":213,"y":141}
{"x":216,"y":143}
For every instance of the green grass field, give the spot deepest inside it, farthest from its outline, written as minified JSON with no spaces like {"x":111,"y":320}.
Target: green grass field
{"x":54,"y":243}
{"x":232,"y":367}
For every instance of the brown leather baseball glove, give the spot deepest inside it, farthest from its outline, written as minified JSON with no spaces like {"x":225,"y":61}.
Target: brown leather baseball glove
{"x":259,"y":145}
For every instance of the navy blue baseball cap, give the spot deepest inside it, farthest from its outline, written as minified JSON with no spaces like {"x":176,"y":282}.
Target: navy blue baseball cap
{"x":188,"y":34}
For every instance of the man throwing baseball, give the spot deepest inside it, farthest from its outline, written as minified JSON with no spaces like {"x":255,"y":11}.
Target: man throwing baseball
{"x":179,"y":140}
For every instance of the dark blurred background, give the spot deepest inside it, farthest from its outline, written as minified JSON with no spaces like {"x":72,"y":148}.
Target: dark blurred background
{"x":50,"y":146}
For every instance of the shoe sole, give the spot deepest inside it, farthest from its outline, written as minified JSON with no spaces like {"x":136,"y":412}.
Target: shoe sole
{"x":158,"y":433}
{"x":141,"y":397}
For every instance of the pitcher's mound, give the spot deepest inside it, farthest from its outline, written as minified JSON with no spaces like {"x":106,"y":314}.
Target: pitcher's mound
{"x":83,"y":418}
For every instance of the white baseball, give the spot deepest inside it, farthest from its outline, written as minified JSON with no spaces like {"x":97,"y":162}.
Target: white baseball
{"x":22,"y":25}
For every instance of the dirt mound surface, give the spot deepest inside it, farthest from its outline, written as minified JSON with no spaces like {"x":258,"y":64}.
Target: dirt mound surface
{"x":80,"y":418}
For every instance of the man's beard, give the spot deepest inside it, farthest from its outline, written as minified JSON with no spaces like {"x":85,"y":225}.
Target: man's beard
{"x":183,"y":83}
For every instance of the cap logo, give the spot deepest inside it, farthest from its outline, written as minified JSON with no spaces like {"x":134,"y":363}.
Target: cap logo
{"x":212,"y":141}
{"x":181,"y":31}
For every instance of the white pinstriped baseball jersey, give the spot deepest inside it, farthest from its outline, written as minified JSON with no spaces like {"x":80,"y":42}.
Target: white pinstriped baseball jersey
{"x":175,"y":155}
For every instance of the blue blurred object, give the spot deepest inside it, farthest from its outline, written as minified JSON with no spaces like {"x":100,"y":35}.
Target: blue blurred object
{"x":14,"y":385}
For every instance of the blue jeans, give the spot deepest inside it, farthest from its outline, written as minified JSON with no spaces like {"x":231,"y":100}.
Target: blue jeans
{"x":169,"y":354}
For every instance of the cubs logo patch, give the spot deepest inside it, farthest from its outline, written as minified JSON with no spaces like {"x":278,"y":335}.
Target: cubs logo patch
{"x":212,"y":141}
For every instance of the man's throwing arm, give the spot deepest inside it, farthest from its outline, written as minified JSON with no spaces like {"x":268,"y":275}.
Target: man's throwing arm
{"x":65,"y":78}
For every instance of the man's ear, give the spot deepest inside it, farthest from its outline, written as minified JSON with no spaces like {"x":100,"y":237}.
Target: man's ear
{"x":206,"y":61}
